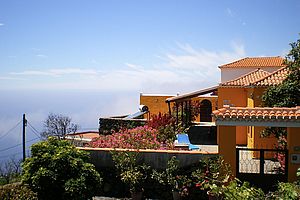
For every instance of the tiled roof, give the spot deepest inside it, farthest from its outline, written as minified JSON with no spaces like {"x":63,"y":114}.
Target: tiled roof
{"x":247,"y":79}
{"x":258,"y":62}
{"x":263,"y":113}
{"x":274,"y":78}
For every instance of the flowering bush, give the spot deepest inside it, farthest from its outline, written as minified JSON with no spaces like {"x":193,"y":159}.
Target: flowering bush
{"x":143,"y":137}
{"x":163,"y":123}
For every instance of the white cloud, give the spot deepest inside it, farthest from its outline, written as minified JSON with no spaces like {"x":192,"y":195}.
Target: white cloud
{"x":57,"y":72}
{"x":191,"y":59}
{"x":183,"y":70}
{"x":1,"y":24}
{"x":41,"y":56}
{"x":11,"y":78}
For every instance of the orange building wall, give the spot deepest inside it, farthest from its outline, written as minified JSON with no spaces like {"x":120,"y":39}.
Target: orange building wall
{"x":214,"y":104}
{"x":234,"y":97}
{"x":227,"y":145}
{"x":156,"y":104}
{"x":293,"y":143}
{"x":257,"y":94}
{"x":256,"y":141}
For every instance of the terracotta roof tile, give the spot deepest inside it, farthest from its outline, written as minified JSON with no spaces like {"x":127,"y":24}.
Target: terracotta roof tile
{"x":274,"y":78}
{"x":258,"y":62}
{"x":247,"y":79}
{"x":258,"y":113}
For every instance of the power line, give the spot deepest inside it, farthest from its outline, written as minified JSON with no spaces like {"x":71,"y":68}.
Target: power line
{"x":20,"y":152}
{"x":5,"y":149}
{"x":33,"y":129}
{"x":10,"y":147}
{"x":5,"y":134}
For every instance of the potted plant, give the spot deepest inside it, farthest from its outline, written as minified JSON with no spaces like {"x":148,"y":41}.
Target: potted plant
{"x":130,"y":172}
{"x":171,"y":177}
{"x":211,"y":174}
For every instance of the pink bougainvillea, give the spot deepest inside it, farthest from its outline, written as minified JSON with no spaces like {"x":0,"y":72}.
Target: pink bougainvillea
{"x":143,"y":137}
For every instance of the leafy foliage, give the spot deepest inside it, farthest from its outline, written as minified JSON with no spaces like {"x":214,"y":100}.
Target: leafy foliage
{"x":193,"y":181}
{"x":58,"y":126}
{"x":130,"y":172}
{"x":289,"y":191}
{"x":287,"y":94}
{"x":57,"y":170}
{"x":17,"y":191}
{"x":171,"y":176}
{"x":164,"y":124}
{"x":212,"y":172}
{"x":237,"y":190}
{"x":109,"y":126}
{"x":10,"y":171}
{"x":298,"y":175}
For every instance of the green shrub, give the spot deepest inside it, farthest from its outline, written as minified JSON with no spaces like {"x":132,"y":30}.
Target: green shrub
{"x":211,"y":172}
{"x":16,"y":191}
{"x":130,"y":171}
{"x":289,"y":191}
{"x":237,"y":190}
{"x":114,"y":125}
{"x":57,"y":170}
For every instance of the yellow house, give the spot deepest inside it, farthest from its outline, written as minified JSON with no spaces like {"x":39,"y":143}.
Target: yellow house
{"x":167,"y":103}
{"x":236,"y":89}
{"x":228,"y":118}
{"x":155,"y":102}
{"x":246,"y":91}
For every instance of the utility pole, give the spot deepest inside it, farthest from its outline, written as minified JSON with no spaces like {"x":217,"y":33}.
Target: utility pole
{"x":24,"y":127}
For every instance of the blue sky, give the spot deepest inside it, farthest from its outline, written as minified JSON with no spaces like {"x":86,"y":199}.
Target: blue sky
{"x":92,"y":58}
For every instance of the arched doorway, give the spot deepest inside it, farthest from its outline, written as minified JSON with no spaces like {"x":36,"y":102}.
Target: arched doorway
{"x":205,"y":111}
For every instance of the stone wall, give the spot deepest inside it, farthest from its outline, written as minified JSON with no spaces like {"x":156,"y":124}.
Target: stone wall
{"x":101,"y":157}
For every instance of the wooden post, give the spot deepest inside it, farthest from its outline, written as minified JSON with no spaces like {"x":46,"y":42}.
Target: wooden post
{"x":24,"y":135}
{"x":169,"y":106}
{"x":182,"y":113}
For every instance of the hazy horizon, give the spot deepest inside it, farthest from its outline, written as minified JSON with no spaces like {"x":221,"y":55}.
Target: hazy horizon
{"x":87,"y":59}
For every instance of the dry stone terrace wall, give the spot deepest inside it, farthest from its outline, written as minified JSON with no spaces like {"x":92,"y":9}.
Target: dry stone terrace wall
{"x":157,"y":159}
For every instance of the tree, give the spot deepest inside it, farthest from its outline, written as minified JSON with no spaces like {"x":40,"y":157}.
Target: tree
{"x":57,"y":170}
{"x":10,"y":171}
{"x":287,"y":94}
{"x":58,"y":125}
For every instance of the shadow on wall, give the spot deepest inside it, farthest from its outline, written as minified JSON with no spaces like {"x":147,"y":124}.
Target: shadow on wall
{"x":203,"y":135}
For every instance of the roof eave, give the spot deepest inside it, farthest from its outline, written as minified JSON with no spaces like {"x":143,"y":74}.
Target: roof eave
{"x":192,"y":94}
